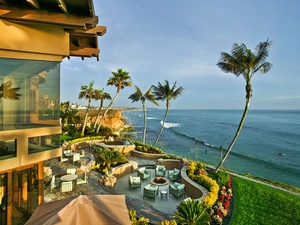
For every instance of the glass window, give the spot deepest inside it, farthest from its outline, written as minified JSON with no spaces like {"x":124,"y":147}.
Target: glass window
{"x":7,"y":149}
{"x":43,"y":143}
{"x":29,"y":93}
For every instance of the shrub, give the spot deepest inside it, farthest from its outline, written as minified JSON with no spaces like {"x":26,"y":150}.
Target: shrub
{"x":221,"y":177}
{"x":205,"y":181}
{"x":135,"y":221}
{"x":146,"y":148}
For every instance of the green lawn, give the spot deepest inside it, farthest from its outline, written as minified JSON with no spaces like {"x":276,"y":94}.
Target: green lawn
{"x":255,"y":203}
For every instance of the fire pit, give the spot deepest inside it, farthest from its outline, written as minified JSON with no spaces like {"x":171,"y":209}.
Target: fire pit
{"x":159,"y":181}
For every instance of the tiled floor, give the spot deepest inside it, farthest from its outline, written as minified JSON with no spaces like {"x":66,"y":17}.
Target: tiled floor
{"x":156,"y":211}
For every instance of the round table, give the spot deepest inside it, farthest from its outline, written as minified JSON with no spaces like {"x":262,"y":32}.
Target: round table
{"x":69,"y":177}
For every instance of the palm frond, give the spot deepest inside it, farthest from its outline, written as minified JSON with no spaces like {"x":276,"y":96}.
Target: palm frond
{"x":262,"y":51}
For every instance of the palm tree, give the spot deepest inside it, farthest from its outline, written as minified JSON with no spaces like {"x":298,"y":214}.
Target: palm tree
{"x":139,"y":96}
{"x":87,"y":92}
{"x":191,"y":212}
{"x":243,"y":61}
{"x":7,"y":92}
{"x":120,"y":79}
{"x":165,"y":92}
{"x":100,"y":95}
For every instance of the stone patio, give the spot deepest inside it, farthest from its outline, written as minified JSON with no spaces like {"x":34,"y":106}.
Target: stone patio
{"x":156,"y":211}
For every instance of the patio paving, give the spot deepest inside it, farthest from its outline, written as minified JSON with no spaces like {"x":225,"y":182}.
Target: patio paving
{"x":156,"y":211}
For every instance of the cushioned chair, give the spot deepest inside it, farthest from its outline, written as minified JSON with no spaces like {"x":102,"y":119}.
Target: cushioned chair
{"x":177,"y":189}
{"x":160,"y":171}
{"x":134,"y":182}
{"x":150,"y":191}
{"x":143,"y":173}
{"x":174,"y":175}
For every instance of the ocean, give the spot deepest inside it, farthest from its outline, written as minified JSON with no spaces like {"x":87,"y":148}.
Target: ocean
{"x":268,"y":145}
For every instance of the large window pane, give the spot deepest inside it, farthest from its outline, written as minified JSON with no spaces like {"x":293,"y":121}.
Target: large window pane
{"x":29,"y":93}
{"x":43,"y":143}
{"x":7,"y":149}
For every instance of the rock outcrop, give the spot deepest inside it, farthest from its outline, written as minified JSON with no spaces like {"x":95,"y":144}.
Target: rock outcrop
{"x":114,"y":120}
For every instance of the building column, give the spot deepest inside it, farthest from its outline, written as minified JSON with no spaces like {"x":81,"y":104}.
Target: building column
{"x":9,"y":197}
{"x":40,"y":183}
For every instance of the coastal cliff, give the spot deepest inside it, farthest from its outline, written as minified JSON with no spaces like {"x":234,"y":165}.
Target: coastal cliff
{"x":113,"y":120}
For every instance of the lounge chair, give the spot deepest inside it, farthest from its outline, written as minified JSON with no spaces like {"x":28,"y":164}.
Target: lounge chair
{"x":134,"y":182}
{"x":177,"y":189}
{"x":174,"y":175}
{"x":150,"y":191}
{"x":143,"y":173}
{"x":160,"y":171}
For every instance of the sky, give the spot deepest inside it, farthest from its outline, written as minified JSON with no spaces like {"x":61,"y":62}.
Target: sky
{"x":181,"y":41}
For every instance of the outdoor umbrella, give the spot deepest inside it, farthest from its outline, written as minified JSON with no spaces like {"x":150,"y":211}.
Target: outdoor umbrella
{"x":83,"y":209}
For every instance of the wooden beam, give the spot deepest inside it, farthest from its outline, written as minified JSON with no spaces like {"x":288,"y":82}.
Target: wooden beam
{"x":9,"y":198}
{"x":40,"y":183}
{"x":33,"y":16}
{"x":98,"y":30}
{"x":34,"y":3}
{"x":62,"y":6}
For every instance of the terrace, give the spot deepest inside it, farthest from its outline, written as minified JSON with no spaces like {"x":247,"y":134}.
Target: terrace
{"x":156,"y":210}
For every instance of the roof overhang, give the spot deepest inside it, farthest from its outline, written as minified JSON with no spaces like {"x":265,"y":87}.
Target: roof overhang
{"x":77,"y":17}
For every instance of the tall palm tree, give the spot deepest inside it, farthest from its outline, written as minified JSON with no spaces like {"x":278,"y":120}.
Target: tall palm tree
{"x":243,"y":61}
{"x":165,"y":92}
{"x":192,"y":212}
{"x":100,"y":95}
{"x":139,"y":96}
{"x":120,"y":79}
{"x":7,"y":92}
{"x":87,"y":92}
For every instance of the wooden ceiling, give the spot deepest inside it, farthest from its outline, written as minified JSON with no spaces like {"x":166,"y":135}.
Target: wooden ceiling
{"x":76,"y":16}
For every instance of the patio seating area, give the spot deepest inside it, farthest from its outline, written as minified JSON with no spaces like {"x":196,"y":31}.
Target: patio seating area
{"x":157,"y":209}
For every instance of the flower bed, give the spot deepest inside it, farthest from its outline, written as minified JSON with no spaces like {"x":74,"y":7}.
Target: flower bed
{"x":221,"y":209}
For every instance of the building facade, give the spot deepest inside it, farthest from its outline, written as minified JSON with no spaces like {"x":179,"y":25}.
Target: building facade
{"x":35,"y":36}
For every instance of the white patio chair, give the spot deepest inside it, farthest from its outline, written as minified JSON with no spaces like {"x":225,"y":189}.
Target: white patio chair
{"x":54,"y":183}
{"x":66,"y":186}
{"x":82,"y":181}
{"x":62,"y":159}
{"x":71,"y":170}
{"x":76,"y":157}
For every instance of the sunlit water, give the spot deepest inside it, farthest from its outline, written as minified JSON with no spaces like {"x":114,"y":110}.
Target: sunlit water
{"x":268,"y":145}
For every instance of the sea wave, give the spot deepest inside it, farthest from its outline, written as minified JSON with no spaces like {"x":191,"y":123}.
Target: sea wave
{"x":151,"y":118}
{"x":169,"y":125}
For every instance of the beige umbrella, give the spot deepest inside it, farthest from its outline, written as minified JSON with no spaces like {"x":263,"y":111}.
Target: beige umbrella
{"x":84,"y":209}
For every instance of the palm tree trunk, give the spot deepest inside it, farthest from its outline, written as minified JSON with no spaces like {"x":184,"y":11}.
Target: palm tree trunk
{"x":85,"y":118}
{"x":98,"y":114}
{"x":144,"y":134}
{"x":236,"y":134}
{"x":110,"y":104}
{"x":162,"y":127}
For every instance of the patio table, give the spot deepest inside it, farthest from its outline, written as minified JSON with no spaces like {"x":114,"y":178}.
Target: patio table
{"x":69,"y":177}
